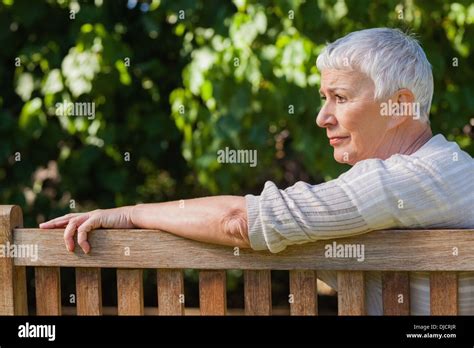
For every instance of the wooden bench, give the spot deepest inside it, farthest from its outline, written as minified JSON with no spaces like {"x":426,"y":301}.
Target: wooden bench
{"x":394,"y":252}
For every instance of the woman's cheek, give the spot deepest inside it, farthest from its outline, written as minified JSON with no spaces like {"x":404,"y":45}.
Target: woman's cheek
{"x":351,"y":118}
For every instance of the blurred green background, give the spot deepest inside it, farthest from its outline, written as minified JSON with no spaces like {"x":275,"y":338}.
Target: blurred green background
{"x":175,"y":81}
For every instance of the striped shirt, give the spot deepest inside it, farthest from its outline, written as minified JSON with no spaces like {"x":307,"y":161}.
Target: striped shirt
{"x":426,"y":189}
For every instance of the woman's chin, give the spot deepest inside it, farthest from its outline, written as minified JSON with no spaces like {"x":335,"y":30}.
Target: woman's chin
{"x":344,"y":157}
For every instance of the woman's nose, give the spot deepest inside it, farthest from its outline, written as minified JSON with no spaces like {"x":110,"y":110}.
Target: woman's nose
{"x":325,"y":117}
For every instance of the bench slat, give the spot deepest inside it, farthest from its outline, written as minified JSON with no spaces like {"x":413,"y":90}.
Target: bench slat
{"x":212,"y":292}
{"x":351,"y":293}
{"x":89,"y":291}
{"x":48,"y":290}
{"x":130,"y":292}
{"x":303,"y":290}
{"x":396,"y":293}
{"x":444,"y":293}
{"x":258,"y":292}
{"x":170,"y":292}
{"x":13,"y":298}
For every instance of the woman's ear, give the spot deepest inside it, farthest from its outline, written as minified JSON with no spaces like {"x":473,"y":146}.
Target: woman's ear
{"x":400,"y":107}
{"x":406,"y":96}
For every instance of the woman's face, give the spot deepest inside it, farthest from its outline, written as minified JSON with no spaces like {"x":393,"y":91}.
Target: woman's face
{"x":350,"y":115}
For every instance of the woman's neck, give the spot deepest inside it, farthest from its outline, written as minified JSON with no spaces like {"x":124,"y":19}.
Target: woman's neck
{"x":406,"y":141}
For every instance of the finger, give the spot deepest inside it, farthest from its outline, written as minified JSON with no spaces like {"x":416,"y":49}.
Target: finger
{"x":92,"y":223}
{"x":50,"y":224}
{"x":59,"y":221}
{"x":71,"y":230}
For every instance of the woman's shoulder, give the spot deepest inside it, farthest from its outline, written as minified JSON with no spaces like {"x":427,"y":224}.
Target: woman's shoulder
{"x":438,"y":147}
{"x":437,"y":156}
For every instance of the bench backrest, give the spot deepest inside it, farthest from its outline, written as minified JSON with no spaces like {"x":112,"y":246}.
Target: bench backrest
{"x":394,"y":252}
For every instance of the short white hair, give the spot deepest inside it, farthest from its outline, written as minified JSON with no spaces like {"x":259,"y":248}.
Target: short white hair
{"x":391,"y":58}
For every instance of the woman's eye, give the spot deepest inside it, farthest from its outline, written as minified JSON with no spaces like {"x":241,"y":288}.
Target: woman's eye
{"x":340,"y":99}
{"x":323,"y":97}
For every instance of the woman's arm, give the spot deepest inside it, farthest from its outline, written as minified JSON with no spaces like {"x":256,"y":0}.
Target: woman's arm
{"x":218,"y":220}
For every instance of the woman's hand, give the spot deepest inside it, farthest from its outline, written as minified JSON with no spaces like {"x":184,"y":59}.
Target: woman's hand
{"x":86,"y":222}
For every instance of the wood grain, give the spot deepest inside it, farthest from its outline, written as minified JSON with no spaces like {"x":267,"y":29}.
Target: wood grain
{"x":212,"y":292}
{"x":48,"y":290}
{"x":258,"y":292}
{"x":88,"y":291}
{"x":395,"y":250}
{"x":444,"y":293}
{"x":130,"y":291}
{"x":351,"y":293}
{"x":396,"y":293}
{"x":13,"y":298}
{"x":303,"y":290}
{"x":170,"y":292}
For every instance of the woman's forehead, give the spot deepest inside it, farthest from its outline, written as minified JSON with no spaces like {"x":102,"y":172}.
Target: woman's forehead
{"x":343,"y":79}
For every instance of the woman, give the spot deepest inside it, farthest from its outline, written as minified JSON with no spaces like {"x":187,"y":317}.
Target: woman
{"x":377,"y":85}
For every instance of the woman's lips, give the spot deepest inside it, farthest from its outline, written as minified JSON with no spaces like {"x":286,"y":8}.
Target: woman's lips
{"x":337,"y":140}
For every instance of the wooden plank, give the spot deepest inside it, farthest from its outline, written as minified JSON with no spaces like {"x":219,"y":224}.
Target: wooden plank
{"x":13,"y":298}
{"x":48,"y":290}
{"x":396,"y":293}
{"x":212,"y":292}
{"x":88,"y":291}
{"x":351,"y":293}
{"x":303,"y":293}
{"x":444,"y":293}
{"x":258,"y":292}
{"x":130,"y":291}
{"x":170,"y":292}
{"x":397,"y":250}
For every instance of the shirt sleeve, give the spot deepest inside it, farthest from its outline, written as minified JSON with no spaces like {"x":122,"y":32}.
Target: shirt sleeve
{"x":374,"y":194}
{"x":299,"y":214}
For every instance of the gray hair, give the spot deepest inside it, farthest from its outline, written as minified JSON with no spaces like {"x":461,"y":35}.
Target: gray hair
{"x":391,"y":58}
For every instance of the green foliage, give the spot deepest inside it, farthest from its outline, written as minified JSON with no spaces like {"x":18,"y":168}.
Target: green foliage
{"x":173,"y":82}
